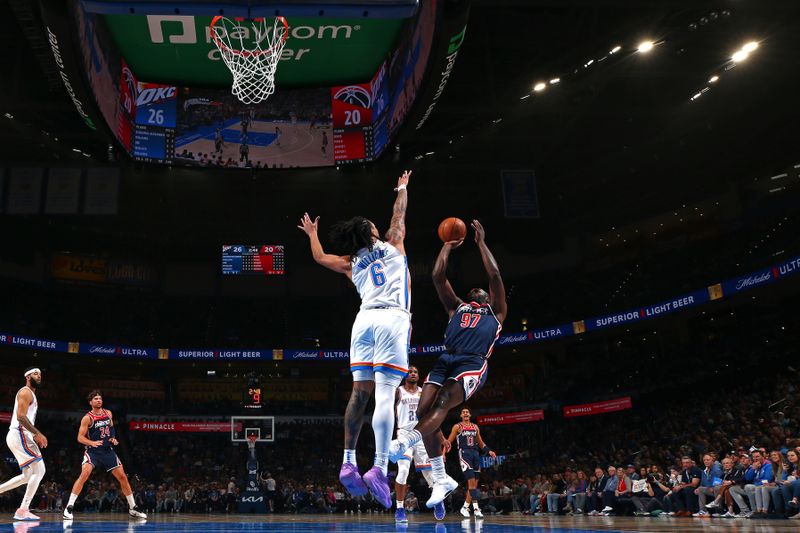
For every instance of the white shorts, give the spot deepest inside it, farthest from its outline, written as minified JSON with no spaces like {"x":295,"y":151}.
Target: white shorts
{"x":379,"y":343}
{"x":22,"y":445}
{"x":419,"y":455}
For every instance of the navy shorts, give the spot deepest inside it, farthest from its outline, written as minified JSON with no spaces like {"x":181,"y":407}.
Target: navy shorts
{"x":470,"y":370}
{"x":101,"y":458}
{"x":470,"y":461}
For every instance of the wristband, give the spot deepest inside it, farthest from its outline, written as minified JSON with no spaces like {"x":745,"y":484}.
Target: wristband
{"x":401,"y":187}
{"x":485,"y":450}
{"x":113,"y":432}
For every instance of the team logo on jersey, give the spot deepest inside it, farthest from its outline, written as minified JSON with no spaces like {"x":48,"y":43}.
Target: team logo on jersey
{"x":354,"y":95}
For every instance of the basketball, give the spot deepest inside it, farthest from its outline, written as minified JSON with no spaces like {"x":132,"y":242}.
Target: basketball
{"x":452,"y":229}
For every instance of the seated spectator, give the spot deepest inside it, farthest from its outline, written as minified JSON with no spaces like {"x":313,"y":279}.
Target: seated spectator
{"x":790,"y":488}
{"x":732,"y":476}
{"x":756,"y":493}
{"x":631,"y":472}
{"x":596,"y":491}
{"x":576,"y":494}
{"x":780,"y":473}
{"x":739,"y":492}
{"x":709,"y":483}
{"x":652,"y":501}
{"x":621,"y":496}
{"x":558,"y":491}
{"x":684,"y":498}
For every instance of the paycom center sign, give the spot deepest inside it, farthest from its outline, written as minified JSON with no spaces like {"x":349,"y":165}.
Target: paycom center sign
{"x":318,"y":51}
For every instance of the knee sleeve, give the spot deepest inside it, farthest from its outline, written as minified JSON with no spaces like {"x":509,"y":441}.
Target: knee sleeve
{"x":403,"y":468}
{"x":476,"y":495}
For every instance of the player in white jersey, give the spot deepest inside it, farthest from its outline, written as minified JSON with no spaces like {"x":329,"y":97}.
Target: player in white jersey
{"x":380,"y":335}
{"x":24,"y":441}
{"x":406,"y":402}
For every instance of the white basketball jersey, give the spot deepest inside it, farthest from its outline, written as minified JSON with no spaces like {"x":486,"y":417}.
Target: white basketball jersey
{"x":381,"y":277}
{"x":31,"y":414}
{"x":406,"y":409}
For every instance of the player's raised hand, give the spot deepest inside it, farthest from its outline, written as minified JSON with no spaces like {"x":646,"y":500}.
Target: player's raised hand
{"x":41,"y":440}
{"x":454,"y":244}
{"x":480,"y":233}
{"x":307,"y":225}
{"x":403,"y":180}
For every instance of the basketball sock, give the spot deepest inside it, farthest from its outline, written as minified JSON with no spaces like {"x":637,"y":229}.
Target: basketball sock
{"x":475,"y":505}
{"x":410,"y":438}
{"x":72,"y":499}
{"x":131,"y":500}
{"x":466,"y":504}
{"x":383,"y":417}
{"x":437,"y":468}
{"x":399,"y":504}
{"x":350,"y":457}
{"x":428,"y":475}
{"x":382,"y":462}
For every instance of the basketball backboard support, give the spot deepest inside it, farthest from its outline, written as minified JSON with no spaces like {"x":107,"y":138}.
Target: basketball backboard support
{"x":261,"y":426}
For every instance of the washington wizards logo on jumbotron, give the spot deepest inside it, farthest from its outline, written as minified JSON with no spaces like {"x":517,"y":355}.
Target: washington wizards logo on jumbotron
{"x":354,"y":95}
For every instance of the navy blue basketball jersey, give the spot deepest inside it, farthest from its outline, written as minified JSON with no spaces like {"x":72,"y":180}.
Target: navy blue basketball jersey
{"x":467,"y":437}
{"x":472,"y":330}
{"x":100,"y":428}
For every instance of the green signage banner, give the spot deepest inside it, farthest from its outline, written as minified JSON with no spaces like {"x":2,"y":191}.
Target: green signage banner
{"x":178,"y":49}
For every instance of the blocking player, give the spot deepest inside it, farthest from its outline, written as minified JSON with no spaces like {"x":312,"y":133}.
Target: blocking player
{"x":98,"y":434}
{"x":406,"y":402}
{"x":473,"y":328}
{"x":25,"y":440}
{"x":381,"y":331}
{"x":470,"y":447}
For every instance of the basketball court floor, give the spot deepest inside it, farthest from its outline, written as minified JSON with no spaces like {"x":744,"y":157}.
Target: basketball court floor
{"x":118,"y":523}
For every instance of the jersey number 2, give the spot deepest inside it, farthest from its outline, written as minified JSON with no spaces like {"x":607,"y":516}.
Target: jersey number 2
{"x":469,"y":320}
{"x":377,"y":275}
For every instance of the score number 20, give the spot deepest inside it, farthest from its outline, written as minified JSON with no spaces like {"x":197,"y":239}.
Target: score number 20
{"x":352,"y":118}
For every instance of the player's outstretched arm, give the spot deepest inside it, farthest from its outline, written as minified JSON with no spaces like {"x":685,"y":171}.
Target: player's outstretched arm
{"x":337,"y":263}
{"x":397,"y":228}
{"x":24,"y":399}
{"x":484,"y":448}
{"x":443,"y":288}
{"x":83,"y":430}
{"x":497,"y":291}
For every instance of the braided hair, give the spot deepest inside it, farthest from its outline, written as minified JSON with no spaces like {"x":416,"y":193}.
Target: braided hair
{"x":350,"y":236}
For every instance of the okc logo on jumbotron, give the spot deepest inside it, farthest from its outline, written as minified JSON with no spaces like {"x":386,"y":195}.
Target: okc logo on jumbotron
{"x":354,"y":95}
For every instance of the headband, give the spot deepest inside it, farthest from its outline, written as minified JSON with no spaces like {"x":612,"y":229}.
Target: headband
{"x":31,"y":371}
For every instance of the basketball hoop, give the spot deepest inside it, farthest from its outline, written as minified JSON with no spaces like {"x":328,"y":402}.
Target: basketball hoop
{"x":251,"y":50}
{"x":251,"y":442}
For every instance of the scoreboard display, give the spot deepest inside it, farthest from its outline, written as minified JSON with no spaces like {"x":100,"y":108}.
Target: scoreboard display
{"x":240,"y":259}
{"x":352,"y":123}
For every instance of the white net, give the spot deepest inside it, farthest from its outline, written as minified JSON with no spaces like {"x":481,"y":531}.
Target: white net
{"x":251,"y":49}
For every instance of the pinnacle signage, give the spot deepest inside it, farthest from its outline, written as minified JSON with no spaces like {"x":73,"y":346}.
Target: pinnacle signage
{"x":318,"y":51}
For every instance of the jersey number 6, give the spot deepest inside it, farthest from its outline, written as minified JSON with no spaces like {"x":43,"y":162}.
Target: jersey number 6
{"x":376,"y":272}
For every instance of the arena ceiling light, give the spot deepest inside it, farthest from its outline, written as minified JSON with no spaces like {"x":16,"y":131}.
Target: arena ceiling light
{"x":645,"y":46}
{"x":615,"y":49}
{"x":749,"y":47}
{"x":739,"y":56}
{"x":554,"y":81}
{"x":712,"y":79}
{"x":539,"y":86}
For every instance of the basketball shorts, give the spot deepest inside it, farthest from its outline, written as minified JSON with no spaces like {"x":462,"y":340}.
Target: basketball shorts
{"x":101,"y":459}
{"x":419,"y":455}
{"x":469,"y":370}
{"x":470,"y":461}
{"x":22,"y":445}
{"x":379,"y":343}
